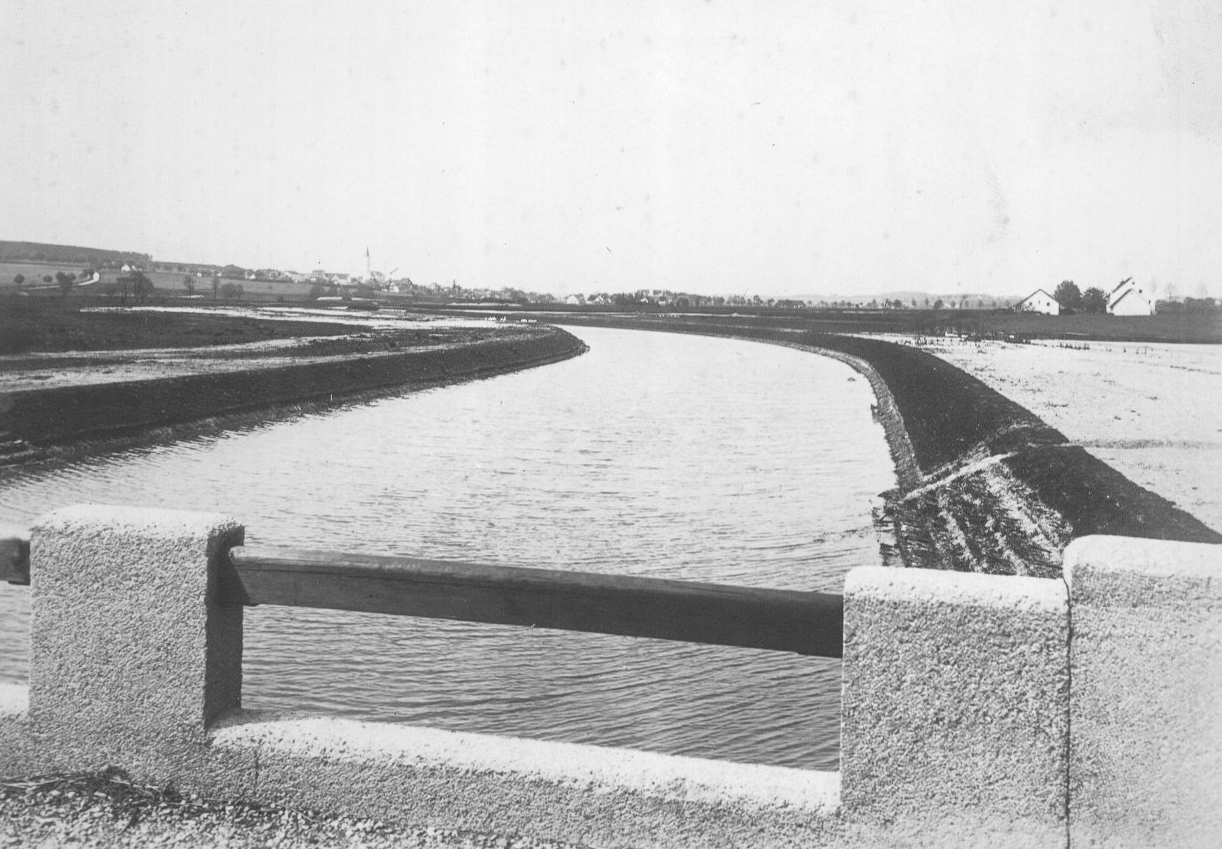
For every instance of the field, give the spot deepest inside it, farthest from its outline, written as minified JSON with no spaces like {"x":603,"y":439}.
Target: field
{"x":1197,"y":328}
{"x":1205,"y":328}
{"x":30,"y":325}
{"x":166,"y":283}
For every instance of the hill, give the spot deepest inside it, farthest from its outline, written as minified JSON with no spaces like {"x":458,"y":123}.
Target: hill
{"x":68,"y":255}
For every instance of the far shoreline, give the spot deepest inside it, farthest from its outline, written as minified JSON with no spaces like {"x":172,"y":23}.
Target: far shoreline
{"x":68,"y":422}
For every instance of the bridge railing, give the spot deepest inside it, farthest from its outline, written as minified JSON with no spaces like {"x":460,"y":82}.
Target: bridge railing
{"x":958,"y":692}
{"x":805,"y":623}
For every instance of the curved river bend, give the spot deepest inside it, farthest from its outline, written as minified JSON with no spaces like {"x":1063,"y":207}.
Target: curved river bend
{"x":654,"y":454}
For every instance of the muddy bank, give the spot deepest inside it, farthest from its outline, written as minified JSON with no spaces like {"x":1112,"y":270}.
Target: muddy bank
{"x":89,"y":413}
{"x":998,"y":489}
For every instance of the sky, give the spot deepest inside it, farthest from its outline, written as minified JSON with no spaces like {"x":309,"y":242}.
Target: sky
{"x":776,"y":148}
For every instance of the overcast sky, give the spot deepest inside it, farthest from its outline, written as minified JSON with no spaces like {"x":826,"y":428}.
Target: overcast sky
{"x":744,"y":147}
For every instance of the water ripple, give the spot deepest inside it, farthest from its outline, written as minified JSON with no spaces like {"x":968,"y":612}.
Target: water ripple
{"x":671,"y":456}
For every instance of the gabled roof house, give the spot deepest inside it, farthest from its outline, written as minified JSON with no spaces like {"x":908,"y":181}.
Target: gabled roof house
{"x":1039,"y":301}
{"x":1130,"y":298}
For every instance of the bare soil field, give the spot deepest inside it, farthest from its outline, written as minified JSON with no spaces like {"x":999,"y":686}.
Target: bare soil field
{"x":1149,"y":410}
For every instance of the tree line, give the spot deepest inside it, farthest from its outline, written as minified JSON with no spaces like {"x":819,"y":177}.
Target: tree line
{"x":1072,"y":300}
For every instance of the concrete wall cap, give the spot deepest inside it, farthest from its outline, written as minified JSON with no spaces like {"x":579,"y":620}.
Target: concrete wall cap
{"x":119,"y":520}
{"x":938,"y":586}
{"x":592,"y":768}
{"x":1153,"y":557}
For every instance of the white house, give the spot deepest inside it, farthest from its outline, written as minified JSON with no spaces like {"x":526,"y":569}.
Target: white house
{"x":1041,"y":302}
{"x":1130,"y":298}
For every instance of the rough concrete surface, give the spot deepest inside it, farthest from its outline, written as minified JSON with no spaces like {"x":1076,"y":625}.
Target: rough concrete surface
{"x":16,"y":757}
{"x":1146,"y":762}
{"x":955,"y":699}
{"x":130,"y":655}
{"x":579,"y":793}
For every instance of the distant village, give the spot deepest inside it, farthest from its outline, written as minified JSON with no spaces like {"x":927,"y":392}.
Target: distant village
{"x":111,"y":272}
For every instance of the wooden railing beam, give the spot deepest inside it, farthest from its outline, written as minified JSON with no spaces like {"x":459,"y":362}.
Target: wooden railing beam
{"x":806,"y":623}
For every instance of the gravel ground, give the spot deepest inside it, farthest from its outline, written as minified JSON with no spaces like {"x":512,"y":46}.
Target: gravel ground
{"x":107,"y":810}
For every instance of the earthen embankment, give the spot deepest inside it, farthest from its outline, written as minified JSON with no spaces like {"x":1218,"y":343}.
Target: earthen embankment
{"x":999,"y":490}
{"x":96,"y":411}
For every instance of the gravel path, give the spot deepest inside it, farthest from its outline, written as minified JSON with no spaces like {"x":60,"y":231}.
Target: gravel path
{"x":107,"y":810}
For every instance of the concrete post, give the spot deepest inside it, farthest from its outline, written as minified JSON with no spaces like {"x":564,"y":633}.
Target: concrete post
{"x":131,"y":656}
{"x":955,"y":704}
{"x":1146,"y":705}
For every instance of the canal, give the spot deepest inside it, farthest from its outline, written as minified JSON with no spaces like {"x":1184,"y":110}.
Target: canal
{"x":653,"y":454}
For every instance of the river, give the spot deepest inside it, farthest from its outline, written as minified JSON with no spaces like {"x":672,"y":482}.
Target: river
{"x":653,"y":454}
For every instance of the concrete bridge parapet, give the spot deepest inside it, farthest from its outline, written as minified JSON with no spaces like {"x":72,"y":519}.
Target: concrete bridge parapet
{"x":976,"y":709}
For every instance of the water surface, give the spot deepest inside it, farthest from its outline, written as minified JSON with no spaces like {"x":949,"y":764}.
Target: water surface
{"x":654,"y":454}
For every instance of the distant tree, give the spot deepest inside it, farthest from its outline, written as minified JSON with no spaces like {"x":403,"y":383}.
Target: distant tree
{"x":936,"y":304}
{"x":138,"y":284}
{"x":216,"y":286}
{"x":47,"y":278}
{"x":19,"y":280}
{"x":1200,"y":305}
{"x":65,"y":282}
{"x":188,"y":283}
{"x":1094,"y":301}
{"x":1068,"y":296}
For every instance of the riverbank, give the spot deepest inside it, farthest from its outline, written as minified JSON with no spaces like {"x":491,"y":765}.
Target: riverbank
{"x":68,"y":404}
{"x":998,"y":489}
{"x":985,"y":484}
{"x":1147,"y":410}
